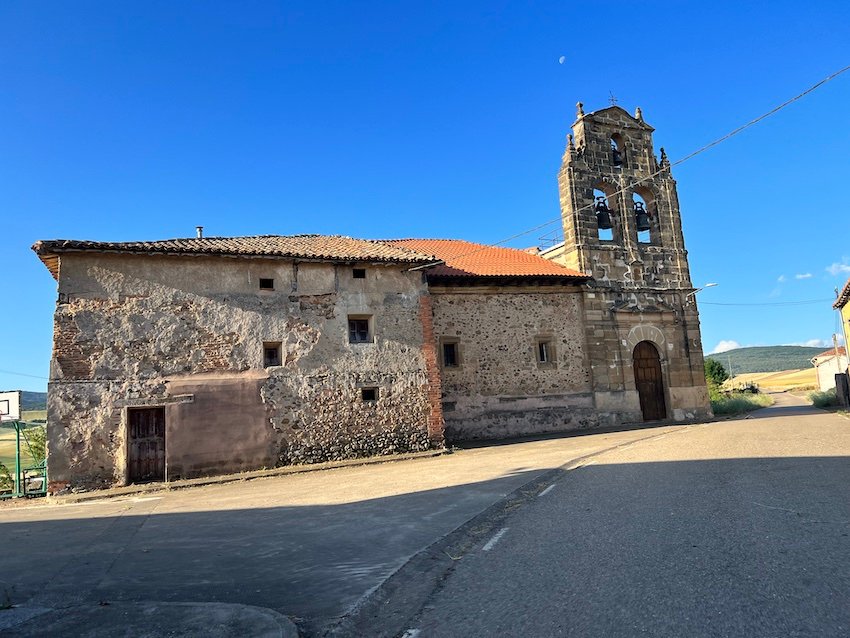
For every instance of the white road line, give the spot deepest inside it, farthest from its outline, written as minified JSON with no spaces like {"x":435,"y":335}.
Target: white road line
{"x":547,"y":490}
{"x":492,"y":542}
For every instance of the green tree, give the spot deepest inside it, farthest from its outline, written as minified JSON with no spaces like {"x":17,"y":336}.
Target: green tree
{"x":715,"y":373}
{"x":36,"y":438}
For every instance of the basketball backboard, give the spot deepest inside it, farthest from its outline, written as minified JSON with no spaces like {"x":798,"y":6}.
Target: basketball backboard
{"x":10,"y":406}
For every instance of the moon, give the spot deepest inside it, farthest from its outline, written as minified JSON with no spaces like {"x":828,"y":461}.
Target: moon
{"x":562,"y":59}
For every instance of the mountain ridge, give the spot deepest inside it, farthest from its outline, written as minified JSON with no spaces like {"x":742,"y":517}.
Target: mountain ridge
{"x":766,"y":358}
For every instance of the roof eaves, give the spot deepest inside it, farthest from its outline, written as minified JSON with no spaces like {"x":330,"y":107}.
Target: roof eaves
{"x":843,"y":297}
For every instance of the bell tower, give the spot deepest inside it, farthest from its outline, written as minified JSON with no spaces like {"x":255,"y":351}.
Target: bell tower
{"x":622,"y":226}
{"x":611,"y":177}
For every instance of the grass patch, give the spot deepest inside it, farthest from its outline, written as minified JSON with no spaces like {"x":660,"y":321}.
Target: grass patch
{"x":34,"y":416}
{"x":827,"y":399}
{"x":739,"y":402}
{"x":7,"y":448}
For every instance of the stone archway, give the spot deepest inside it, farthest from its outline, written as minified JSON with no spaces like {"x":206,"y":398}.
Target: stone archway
{"x":649,"y":381}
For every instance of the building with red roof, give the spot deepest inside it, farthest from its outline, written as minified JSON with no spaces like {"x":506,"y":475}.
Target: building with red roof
{"x":203,"y":355}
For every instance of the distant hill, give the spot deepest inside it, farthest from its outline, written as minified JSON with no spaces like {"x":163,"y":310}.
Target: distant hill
{"x":33,"y":400}
{"x":767,"y":358}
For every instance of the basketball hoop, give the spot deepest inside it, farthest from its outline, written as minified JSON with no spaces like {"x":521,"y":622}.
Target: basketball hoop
{"x":10,"y":406}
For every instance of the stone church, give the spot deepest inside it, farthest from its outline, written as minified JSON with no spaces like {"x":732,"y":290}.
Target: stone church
{"x":206,"y":355}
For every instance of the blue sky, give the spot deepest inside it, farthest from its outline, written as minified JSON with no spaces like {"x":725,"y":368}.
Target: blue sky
{"x":127,"y":121}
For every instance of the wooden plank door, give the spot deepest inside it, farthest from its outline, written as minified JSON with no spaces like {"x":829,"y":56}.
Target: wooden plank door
{"x":146,"y":428}
{"x":649,"y":382}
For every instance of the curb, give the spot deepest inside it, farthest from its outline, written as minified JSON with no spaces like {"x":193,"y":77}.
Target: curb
{"x":153,"y":619}
{"x":146,"y":488}
{"x":386,"y":610}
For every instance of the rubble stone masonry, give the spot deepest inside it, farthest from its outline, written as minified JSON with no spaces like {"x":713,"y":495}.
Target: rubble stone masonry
{"x":499,"y":388}
{"x":187,"y":333}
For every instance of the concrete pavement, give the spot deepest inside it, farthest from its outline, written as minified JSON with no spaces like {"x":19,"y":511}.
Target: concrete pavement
{"x":309,"y":546}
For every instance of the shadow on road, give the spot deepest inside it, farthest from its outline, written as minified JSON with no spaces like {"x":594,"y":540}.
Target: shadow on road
{"x":314,"y":562}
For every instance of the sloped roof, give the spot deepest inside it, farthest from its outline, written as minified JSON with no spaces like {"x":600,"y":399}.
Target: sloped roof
{"x":843,"y":296}
{"x":467,"y":259}
{"x":318,"y":247}
{"x":831,"y":353}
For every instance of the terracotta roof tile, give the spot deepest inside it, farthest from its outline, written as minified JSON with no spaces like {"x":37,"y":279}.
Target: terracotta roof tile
{"x":843,"y":296}
{"x":468,"y":259}
{"x":322,"y":247}
{"x":831,"y":353}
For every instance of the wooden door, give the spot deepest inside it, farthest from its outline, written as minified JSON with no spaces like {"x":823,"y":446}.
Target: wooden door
{"x":649,"y":382}
{"x":146,"y":443}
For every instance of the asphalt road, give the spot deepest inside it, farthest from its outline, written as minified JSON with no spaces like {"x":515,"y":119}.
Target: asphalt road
{"x":309,"y":545}
{"x":737,"y":528}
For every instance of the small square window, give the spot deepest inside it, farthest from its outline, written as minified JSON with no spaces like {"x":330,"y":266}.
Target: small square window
{"x":359,"y":330}
{"x":369,"y":394}
{"x":359,"y":273}
{"x":266,"y":284}
{"x":271,"y":354}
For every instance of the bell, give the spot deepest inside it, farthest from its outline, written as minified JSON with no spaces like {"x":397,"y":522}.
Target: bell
{"x":616,"y":157}
{"x":641,"y":217}
{"x":603,"y":215}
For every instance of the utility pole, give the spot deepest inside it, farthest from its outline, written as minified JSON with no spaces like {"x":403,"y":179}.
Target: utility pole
{"x":837,"y":356}
{"x":843,"y":331}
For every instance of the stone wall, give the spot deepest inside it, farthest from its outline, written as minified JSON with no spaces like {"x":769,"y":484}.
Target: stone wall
{"x":614,"y":332}
{"x":499,"y":389}
{"x":638,"y":287}
{"x":188,"y":333}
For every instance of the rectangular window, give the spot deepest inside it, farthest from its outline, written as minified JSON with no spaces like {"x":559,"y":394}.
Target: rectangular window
{"x":369,"y":394}
{"x":450,"y":358}
{"x":359,"y":273}
{"x":359,"y":330}
{"x":544,"y":349}
{"x":266,"y":284}
{"x":271,"y":354}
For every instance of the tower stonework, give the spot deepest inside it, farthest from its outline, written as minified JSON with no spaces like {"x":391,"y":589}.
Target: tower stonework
{"x":622,"y":227}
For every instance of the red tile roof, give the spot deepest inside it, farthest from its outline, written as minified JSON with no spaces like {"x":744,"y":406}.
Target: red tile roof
{"x":468,"y":259}
{"x":843,"y":296}
{"x":320,"y":247}
{"x":831,"y":352}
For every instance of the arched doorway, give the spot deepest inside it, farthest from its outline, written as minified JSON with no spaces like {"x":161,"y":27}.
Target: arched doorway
{"x":649,"y":382}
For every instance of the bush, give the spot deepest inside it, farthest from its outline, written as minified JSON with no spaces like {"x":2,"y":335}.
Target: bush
{"x":826,"y":399}
{"x":36,"y":437}
{"x":7,"y":483}
{"x":738,"y":402}
{"x":715,"y":373}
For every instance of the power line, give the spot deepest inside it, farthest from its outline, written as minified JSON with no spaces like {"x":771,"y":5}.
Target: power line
{"x":682,"y":160}
{"x":23,"y":374}
{"x":773,"y":303}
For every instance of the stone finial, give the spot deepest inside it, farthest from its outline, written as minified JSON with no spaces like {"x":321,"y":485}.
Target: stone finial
{"x":570,"y":144}
{"x":664,"y":160}
{"x":579,"y":110}
{"x":638,"y":114}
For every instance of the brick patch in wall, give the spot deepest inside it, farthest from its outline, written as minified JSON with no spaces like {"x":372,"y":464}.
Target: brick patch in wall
{"x":436,"y":425}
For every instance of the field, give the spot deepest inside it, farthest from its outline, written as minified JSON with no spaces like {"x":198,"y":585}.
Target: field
{"x":766,"y":358}
{"x":784,"y":380}
{"x":7,"y":449}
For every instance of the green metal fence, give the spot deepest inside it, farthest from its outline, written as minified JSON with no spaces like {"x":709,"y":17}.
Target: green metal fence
{"x":29,"y":479}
